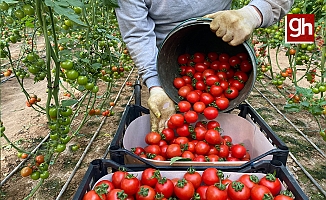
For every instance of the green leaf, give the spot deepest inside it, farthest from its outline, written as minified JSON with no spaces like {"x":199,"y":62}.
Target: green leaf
{"x":64,"y":52}
{"x":174,"y":159}
{"x":62,"y":3}
{"x":10,"y":1}
{"x":306,"y":92}
{"x":305,"y":103}
{"x":316,"y":109}
{"x":68,"y":12}
{"x":69,"y":102}
{"x":49,"y":3}
{"x":292,"y":107}
{"x":111,"y":3}
{"x":324,"y":74}
{"x":85,"y":60}
{"x":96,"y":65}
{"x":76,"y":3}
{"x":63,"y":40}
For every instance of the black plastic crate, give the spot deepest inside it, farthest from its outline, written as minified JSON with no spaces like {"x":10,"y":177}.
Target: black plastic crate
{"x":119,"y":154}
{"x":101,"y":167}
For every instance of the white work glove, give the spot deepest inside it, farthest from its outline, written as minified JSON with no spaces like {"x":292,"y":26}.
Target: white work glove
{"x":235,"y":26}
{"x":161,"y":108}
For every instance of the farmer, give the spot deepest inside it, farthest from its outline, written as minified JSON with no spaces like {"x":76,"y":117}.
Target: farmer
{"x":145,"y":23}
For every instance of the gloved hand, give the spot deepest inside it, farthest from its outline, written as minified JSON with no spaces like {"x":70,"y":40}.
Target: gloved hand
{"x":235,"y":26}
{"x":161,"y":108}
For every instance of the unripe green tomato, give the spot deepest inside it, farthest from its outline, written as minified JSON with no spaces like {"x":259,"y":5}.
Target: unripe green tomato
{"x":35,"y":175}
{"x":44,"y":175}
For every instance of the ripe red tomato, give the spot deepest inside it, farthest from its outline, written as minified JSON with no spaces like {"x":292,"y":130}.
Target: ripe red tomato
{"x":215,"y":65}
{"x":193,"y":176}
{"x":130,"y":184}
{"x":178,"y":82}
{"x":200,"y":85}
{"x":239,"y":191}
{"x":212,"y":56}
{"x":183,"y":59}
{"x":177,"y":119}
{"x":223,"y":57}
{"x":210,"y":113}
{"x":116,"y":194}
{"x":272,"y":183}
{"x":153,"y":138}
{"x":193,"y":97}
{"x":201,"y":190}
{"x":243,"y":56}
{"x":224,"y":66}
{"x":200,"y":67}
{"x":213,"y":124}
{"x":238,"y":151}
{"x":199,"y":107}
{"x":249,"y":180}
{"x":216,"y":90}
{"x":213,"y":137}
{"x":223,"y":151}
{"x":200,"y":133}
{"x":183,"y":91}
{"x":198,"y":57}
{"x":173,"y":150}
{"x":245,"y":66}
{"x":184,"y":189}
{"x":184,"y":130}
{"x":222,"y":103}
{"x":191,"y":116}
{"x":206,"y":98}
{"x":184,"y":106}
{"x":164,"y":186}
{"x":150,"y":177}
{"x":224,"y":84}
{"x":231,"y":93}
{"x":241,"y":76}
{"x":92,"y":195}
{"x":259,"y":192}
{"x":117,"y":178}
{"x":208,"y":72}
{"x":237,"y":84}
{"x":153,"y":149}
{"x":187,"y":79}
{"x":145,"y":192}
{"x":217,"y":191}
{"x":234,"y":61}
{"x":202,"y":148}
{"x":230,"y":73}
{"x":282,"y":197}
{"x":188,"y":154}
{"x":212,"y":150}
{"x":211,"y":80}
{"x":181,"y":140}
{"x":109,"y":184}
{"x":182,"y":70}
{"x":198,"y":76}
{"x":168,"y":134}
{"x":138,"y":150}
{"x":210,"y":176}
{"x":190,"y":71}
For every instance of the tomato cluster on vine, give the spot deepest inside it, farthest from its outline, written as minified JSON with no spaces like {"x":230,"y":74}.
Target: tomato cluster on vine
{"x":210,"y":184}
{"x":213,"y":78}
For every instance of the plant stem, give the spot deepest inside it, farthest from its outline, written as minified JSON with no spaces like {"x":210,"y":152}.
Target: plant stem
{"x":13,"y":145}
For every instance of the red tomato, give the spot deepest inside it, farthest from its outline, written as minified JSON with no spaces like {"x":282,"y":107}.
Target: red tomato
{"x":201,"y":190}
{"x":191,"y":116}
{"x":181,"y":140}
{"x":238,"y":191}
{"x":212,"y":150}
{"x":208,"y":72}
{"x":178,"y":82}
{"x":182,"y":70}
{"x":212,"y":56}
{"x":200,"y":85}
{"x":153,"y":138}
{"x":259,"y":192}
{"x":184,"y":130}
{"x":227,"y":138}
{"x":117,"y":178}
{"x":249,"y":180}
{"x":207,"y":63}
{"x":105,"y":183}
{"x":138,"y":150}
{"x":188,"y":154}
{"x":177,"y":119}
{"x":282,"y":197}
{"x":238,"y":151}
{"x":193,"y":176}
{"x":223,"y":151}
{"x":183,"y":91}
{"x":213,"y":137}
{"x":145,"y":192}
{"x":116,"y":194}
{"x":198,"y":57}
{"x":217,"y":191}
{"x":222,"y":76}
{"x":224,"y":66}
{"x":190,"y":71}
{"x":224,"y":85}
{"x":222,"y":103}
{"x":237,"y":84}
{"x":241,"y":76}
{"x":184,"y":106}
{"x":231,"y":93}
{"x":210,"y":176}
{"x":223,"y":57}
{"x":212,"y":158}
{"x":171,"y":125}
{"x":199,"y":158}
{"x":234,"y":61}
{"x":206,"y":98}
{"x":272,"y":183}
{"x":201,"y":124}
{"x":163,"y":150}
{"x":191,"y":146}
{"x":183,"y":59}
{"x":229,"y":73}
{"x":173,"y":150}
{"x":164,"y":186}
{"x":211,"y":80}
{"x":193,"y":97}
{"x":184,"y":189}
{"x":210,"y":113}
{"x":213,"y":124}
{"x":168,"y":134}
{"x":199,"y":107}
{"x":150,"y":177}
{"x":198,"y":76}
{"x":92,"y":195}
{"x":200,"y":67}
{"x":159,"y":158}
{"x":130,"y":184}
{"x":215,"y":65}
{"x":243,"y":56}
{"x":216,"y":90}
{"x":245,"y":66}
{"x":202,"y":148}
{"x":200,"y":133}
{"x":187,"y":79}
{"x":153,"y":149}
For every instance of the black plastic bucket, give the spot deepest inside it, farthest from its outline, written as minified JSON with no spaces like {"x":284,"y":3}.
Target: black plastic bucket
{"x":194,"y":35}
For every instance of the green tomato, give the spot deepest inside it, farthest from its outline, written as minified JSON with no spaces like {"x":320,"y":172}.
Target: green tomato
{"x":35,"y":175}
{"x":28,"y":9}
{"x":4,"y":6}
{"x":77,"y":10}
{"x":310,"y":47}
{"x":53,"y":125}
{"x":296,"y":10}
{"x":75,"y":147}
{"x":13,"y":38}
{"x":64,"y":129}
{"x":82,"y":80}
{"x":54,"y":136}
{"x":89,"y":86}
{"x":68,"y":23}
{"x":40,"y":62}
{"x":19,"y":14}
{"x":304,"y":46}
{"x":44,"y":175}
{"x":95,"y":89}
{"x":64,"y":121}
{"x":33,"y":69}
{"x":72,"y":74}
{"x":66,"y":111}
{"x":322,"y":88}
{"x":53,"y":112}
{"x":65,"y":139}
{"x":315,"y":90}
{"x":43,"y":166}
{"x":68,"y":64}
{"x":19,"y":154}
{"x":60,"y":148}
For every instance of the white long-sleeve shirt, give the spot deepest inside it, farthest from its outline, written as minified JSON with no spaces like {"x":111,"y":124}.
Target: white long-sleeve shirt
{"x":145,"y":23}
